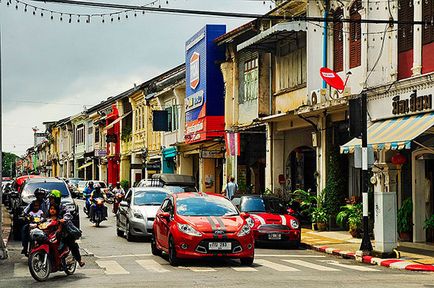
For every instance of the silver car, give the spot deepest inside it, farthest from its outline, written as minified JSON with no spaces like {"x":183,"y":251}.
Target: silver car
{"x":136,"y":213}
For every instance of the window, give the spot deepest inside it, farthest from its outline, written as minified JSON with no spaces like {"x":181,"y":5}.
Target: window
{"x":172,"y":117}
{"x":338,"y":41}
{"x":250,"y":80}
{"x":90,"y":130}
{"x":96,"y":134}
{"x":79,"y":136}
{"x":405,"y":32}
{"x":355,"y":35}
{"x":169,"y":118}
{"x":291,"y":62}
{"x":428,"y":16}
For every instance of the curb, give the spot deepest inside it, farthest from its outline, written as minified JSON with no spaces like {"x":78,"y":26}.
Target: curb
{"x":390,"y":263}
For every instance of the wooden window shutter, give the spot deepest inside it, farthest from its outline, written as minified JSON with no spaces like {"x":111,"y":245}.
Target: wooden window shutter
{"x":338,"y":41}
{"x":405,"y":31}
{"x":428,"y":16}
{"x":355,"y":35}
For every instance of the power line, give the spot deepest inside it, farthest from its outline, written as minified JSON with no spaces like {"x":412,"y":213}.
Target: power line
{"x":235,"y":14}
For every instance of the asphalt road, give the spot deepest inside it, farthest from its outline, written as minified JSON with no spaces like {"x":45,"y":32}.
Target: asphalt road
{"x":111,"y":261}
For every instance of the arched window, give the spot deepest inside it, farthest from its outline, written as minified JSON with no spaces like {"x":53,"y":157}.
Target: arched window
{"x":355,"y":34}
{"x":338,"y":41}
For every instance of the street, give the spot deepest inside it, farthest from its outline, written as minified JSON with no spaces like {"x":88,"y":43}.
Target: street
{"x":112,"y":261}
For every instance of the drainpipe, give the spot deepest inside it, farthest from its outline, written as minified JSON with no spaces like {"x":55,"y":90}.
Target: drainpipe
{"x":270,"y":79}
{"x":324,"y":52}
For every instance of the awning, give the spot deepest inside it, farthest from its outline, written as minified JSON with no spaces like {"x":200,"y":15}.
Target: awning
{"x":276,"y":33}
{"x":393,"y":134}
{"x":116,"y":121}
{"x":84,"y":166}
{"x":169,"y":152}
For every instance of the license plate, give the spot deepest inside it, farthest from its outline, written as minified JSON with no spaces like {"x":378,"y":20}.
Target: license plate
{"x":274,"y":236}
{"x":220,"y":246}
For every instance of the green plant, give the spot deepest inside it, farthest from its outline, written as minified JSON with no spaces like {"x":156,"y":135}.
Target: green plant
{"x":126,"y":133}
{"x":405,"y":214}
{"x":351,"y":214}
{"x":334,"y":192}
{"x":125,"y":184}
{"x":429,"y":223}
{"x":319,"y":215}
{"x":311,"y":205}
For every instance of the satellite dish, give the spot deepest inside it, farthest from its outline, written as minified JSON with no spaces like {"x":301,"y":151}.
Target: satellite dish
{"x":331,"y":78}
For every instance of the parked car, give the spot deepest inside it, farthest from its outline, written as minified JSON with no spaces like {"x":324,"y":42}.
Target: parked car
{"x":28,"y":190}
{"x":136,"y":214}
{"x":272,"y":222}
{"x":73,"y":186}
{"x":198,"y":225}
{"x":174,"y":182}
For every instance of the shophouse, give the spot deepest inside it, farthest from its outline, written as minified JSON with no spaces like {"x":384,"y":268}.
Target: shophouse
{"x":79,"y":128}
{"x":66,"y":157}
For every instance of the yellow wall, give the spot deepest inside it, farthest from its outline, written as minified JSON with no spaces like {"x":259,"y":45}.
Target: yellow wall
{"x":290,"y":101}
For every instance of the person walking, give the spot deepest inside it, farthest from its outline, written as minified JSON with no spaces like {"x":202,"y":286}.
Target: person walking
{"x":231,"y":188}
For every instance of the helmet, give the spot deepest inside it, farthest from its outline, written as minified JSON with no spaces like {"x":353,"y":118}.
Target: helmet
{"x":118,"y":184}
{"x":97,"y":186}
{"x":55,"y":194}
{"x":40,"y":191}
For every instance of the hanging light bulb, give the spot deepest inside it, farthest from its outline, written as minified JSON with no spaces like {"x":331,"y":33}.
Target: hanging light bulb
{"x":119,"y":17}
{"x":34,"y":11}
{"x":135,"y":14}
{"x":61,"y":17}
{"x":51,"y":16}
{"x":88,"y":19}
{"x":42,"y":13}
{"x":103,"y":20}
{"x":78,"y":19}
{"x":70,"y":18}
{"x":126,"y":15}
{"x":25,"y":8}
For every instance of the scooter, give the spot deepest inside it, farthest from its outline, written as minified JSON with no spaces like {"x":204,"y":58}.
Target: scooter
{"x":98,"y":211}
{"x":33,"y":224}
{"x":45,"y":257}
{"x":87,"y":204}
{"x":118,"y":198}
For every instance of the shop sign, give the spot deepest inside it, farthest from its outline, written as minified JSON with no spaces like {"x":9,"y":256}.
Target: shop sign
{"x":194,"y":70}
{"x":211,"y":154}
{"x":194,"y":101}
{"x":100,"y":153}
{"x":412,"y":104}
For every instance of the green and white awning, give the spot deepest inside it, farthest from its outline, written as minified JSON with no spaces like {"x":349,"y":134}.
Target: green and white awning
{"x":393,"y":134}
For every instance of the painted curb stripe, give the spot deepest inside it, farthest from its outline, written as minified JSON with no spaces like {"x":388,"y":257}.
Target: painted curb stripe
{"x":367,"y":259}
{"x":329,"y":250}
{"x":420,"y":267}
{"x":386,"y":263}
{"x":400,"y":265}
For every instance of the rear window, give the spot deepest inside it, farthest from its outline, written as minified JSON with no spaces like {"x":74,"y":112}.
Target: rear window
{"x":29,"y":188}
{"x":149,"y":198}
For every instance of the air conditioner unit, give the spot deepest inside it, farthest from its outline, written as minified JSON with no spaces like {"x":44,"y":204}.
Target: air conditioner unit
{"x":317,"y":96}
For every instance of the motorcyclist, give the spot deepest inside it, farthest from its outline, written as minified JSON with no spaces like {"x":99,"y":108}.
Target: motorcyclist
{"x":86,"y":194}
{"x":43,"y":205}
{"x":118,"y":189}
{"x":65,"y":219}
{"x":97,"y":193}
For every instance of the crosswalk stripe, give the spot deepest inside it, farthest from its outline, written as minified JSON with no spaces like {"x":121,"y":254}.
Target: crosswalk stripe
{"x":244,"y":269}
{"x":290,"y":256}
{"x":21,"y":270}
{"x":353,"y":267}
{"x":201,"y":269}
{"x":152,"y":266}
{"x":111,"y":267}
{"x":310,"y":265}
{"x":275,"y":266}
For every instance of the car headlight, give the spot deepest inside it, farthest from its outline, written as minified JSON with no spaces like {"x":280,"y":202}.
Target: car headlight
{"x":245,"y":230}
{"x":138,"y":214}
{"x":294,"y":224}
{"x":251,"y":222}
{"x":187,"y":229}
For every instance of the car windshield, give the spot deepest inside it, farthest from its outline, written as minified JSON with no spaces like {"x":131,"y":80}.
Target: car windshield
{"x":252,"y":204}
{"x":149,"y":198}
{"x":275,"y":206}
{"x":82,"y":184}
{"x":180,"y":189}
{"x":205,"y":206}
{"x":29,"y":188}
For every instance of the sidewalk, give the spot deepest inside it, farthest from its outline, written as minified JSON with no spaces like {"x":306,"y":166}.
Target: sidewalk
{"x":413,"y":256}
{"x":6,"y":229}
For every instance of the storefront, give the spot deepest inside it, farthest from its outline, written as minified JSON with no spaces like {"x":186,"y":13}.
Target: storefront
{"x":112,"y":131}
{"x":401,"y":134}
{"x":205,"y":108}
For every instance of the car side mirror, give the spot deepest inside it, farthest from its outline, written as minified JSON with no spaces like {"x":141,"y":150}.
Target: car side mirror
{"x":165,"y":215}
{"x":290,"y":211}
{"x":124,"y":204}
{"x":244,"y":215}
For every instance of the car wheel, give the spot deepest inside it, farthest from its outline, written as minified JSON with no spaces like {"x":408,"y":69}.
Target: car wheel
{"x":173,"y":259}
{"x":247,"y":261}
{"x":128,"y":235}
{"x":154,"y":249}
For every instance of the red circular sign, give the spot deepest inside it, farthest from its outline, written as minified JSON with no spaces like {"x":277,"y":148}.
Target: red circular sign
{"x":331,"y":78}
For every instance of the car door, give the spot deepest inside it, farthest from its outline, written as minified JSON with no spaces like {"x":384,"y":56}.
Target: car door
{"x":123,"y":211}
{"x":159,"y":222}
{"x":165,"y":223}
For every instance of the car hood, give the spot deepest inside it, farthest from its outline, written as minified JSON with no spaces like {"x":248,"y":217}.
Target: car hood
{"x":271,"y":218}
{"x":209,"y":224}
{"x":148,"y":211}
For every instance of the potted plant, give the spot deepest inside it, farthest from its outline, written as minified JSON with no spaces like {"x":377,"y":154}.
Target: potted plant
{"x":405,"y":214}
{"x":429,"y":225}
{"x":351,"y":214}
{"x":320,"y":217}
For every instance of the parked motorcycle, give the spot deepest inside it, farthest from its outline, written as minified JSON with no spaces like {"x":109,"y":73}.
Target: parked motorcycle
{"x":45,"y":257}
{"x":98,"y":211}
{"x":118,"y":198}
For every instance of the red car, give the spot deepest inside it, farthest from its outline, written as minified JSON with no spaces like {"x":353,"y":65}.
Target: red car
{"x":197,"y":225}
{"x":272,"y":221}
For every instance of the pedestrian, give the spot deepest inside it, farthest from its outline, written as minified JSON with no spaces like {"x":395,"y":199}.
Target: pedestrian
{"x":231,"y":188}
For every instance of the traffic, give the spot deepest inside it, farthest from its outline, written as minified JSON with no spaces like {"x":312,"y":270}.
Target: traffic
{"x":166,"y":210}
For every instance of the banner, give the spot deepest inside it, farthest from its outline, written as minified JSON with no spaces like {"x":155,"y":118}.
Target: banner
{"x":231,"y":138}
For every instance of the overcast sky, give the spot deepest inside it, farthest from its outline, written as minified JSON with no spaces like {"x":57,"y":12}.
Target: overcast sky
{"x":51,"y":69}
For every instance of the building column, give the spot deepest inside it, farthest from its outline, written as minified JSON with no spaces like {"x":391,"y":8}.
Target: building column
{"x":417,"y":39}
{"x":269,"y":157}
{"x":321,"y":152}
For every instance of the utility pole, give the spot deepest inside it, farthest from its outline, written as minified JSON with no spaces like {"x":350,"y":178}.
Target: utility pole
{"x":3,"y":251}
{"x":366,"y":245}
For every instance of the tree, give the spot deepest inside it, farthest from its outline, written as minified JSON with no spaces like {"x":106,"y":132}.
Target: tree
{"x":9,"y":160}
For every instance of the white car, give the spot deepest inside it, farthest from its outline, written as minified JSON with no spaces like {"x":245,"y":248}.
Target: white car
{"x":136,"y":214}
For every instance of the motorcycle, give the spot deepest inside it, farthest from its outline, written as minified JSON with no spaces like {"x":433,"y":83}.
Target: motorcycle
{"x":87,"y":204}
{"x":33,"y":224}
{"x":45,"y":257}
{"x":98,"y":211}
{"x":118,"y":198}
{"x":110,"y":198}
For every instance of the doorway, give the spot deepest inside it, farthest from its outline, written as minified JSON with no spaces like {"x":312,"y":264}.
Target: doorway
{"x":300,"y":169}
